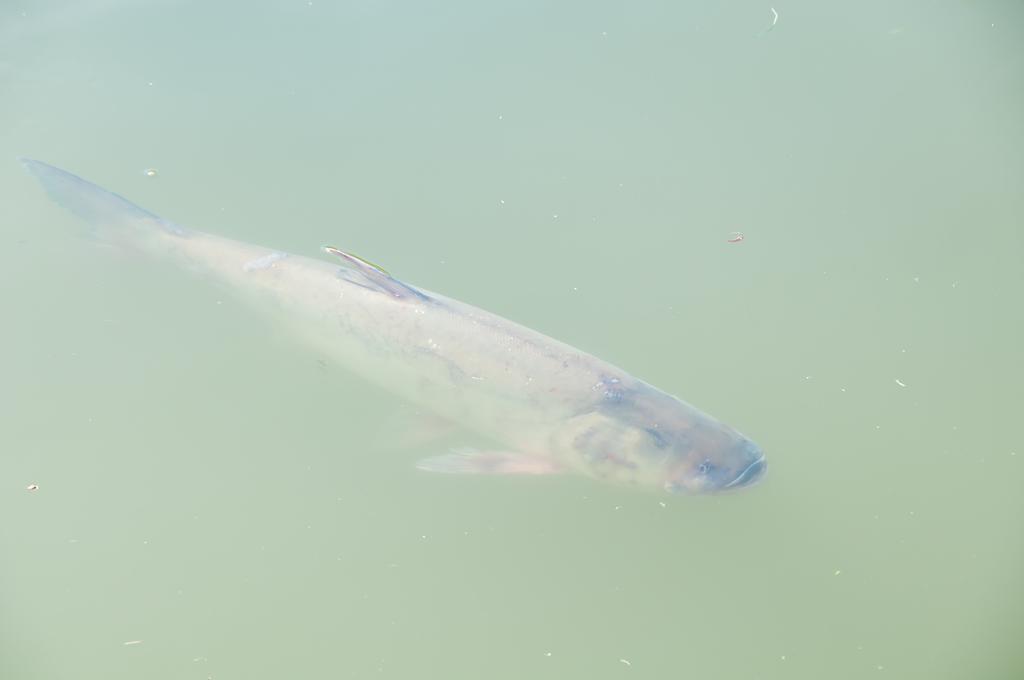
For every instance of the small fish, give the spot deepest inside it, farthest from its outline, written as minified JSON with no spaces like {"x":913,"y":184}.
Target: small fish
{"x":552,"y":408}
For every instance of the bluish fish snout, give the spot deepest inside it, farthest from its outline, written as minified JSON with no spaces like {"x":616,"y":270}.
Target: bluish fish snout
{"x":754,"y":470}
{"x":728,"y":469}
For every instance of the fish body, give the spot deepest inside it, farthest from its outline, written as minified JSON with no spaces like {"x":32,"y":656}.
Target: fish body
{"x":552,"y":407}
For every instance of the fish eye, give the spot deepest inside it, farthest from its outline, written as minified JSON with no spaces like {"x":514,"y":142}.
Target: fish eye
{"x":704,"y":467}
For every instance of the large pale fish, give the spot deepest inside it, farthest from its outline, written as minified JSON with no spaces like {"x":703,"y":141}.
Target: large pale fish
{"x":550,"y":407}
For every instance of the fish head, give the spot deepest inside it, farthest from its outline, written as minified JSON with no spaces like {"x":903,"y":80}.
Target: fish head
{"x":649,"y":438}
{"x":713,"y":463}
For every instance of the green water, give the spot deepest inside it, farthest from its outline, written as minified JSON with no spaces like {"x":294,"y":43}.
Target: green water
{"x":219,"y":497}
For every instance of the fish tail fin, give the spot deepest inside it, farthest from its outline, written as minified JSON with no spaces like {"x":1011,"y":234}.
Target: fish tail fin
{"x":110,"y":215}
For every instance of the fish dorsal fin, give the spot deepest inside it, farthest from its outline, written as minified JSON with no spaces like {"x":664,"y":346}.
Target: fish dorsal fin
{"x":374,"y":277}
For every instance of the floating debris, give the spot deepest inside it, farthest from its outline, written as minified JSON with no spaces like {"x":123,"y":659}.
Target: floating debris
{"x":625,"y":661}
{"x":900,"y":382}
{"x":149,"y":172}
{"x":133,"y":642}
{"x":735,"y":237}
{"x":32,"y":487}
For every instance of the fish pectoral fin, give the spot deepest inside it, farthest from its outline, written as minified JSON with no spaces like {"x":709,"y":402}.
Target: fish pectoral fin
{"x":471,"y":462}
{"x":374,"y":277}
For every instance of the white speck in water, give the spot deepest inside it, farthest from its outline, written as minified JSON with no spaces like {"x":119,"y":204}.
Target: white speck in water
{"x":625,"y":661}
{"x":837,"y":572}
{"x":547,"y":653}
{"x":900,"y":382}
{"x":32,"y":487}
{"x":662,"y":504}
{"x":842,"y":389}
{"x":133,"y":642}
{"x":149,"y":172}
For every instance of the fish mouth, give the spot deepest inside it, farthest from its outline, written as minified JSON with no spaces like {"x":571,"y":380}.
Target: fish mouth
{"x":750,"y":475}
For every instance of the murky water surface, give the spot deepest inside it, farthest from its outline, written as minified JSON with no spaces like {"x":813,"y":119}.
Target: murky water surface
{"x":187,"y":492}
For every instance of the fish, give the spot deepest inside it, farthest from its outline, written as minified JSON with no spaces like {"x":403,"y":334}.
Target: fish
{"x":549,"y":408}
